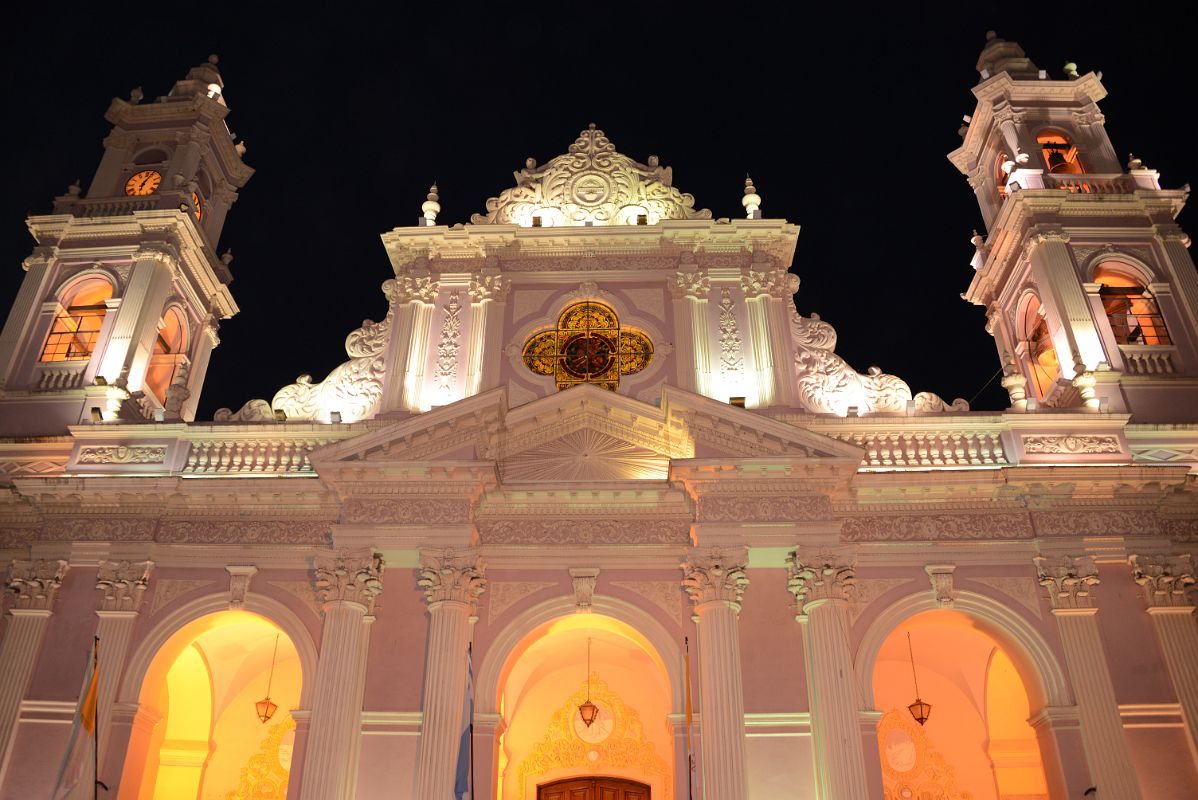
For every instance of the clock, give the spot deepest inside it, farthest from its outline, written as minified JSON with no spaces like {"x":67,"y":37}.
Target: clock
{"x":143,"y":183}
{"x":599,"y":730}
{"x":196,"y":206}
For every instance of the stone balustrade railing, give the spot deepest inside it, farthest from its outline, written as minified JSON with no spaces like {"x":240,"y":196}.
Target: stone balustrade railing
{"x":1140,"y":359}
{"x":916,"y":442}
{"x":282,"y":455}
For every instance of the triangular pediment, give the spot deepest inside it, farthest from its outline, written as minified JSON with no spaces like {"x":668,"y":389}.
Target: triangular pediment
{"x":584,"y":434}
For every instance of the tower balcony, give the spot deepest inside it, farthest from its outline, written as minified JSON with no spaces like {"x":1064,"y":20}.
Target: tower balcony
{"x":1084,"y":183}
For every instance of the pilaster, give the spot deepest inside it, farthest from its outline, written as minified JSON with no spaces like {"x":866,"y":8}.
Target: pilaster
{"x":123,"y":584}
{"x":130,"y":345}
{"x":823,"y":583}
{"x":35,"y":586}
{"x":452,"y":582}
{"x":1052,"y":265}
{"x":715,"y":580}
{"x":347,"y":583}
{"x":1070,"y":581}
{"x":23,"y":314}
{"x":1166,"y":580}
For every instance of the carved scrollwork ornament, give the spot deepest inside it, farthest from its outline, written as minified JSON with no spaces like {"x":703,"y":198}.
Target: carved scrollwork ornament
{"x":349,"y":576}
{"x":716,"y":575}
{"x":1165,"y":579}
{"x":829,"y":575}
{"x":455,"y":576}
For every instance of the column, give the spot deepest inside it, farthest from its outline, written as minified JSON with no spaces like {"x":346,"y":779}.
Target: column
{"x":35,"y":584}
{"x":452,"y":582}
{"x":347,"y":583}
{"x":1166,"y":580}
{"x":822,"y":584}
{"x":131,"y":343}
{"x":123,"y":584}
{"x":1069,"y":581}
{"x":1060,"y":289}
{"x":715,"y":580}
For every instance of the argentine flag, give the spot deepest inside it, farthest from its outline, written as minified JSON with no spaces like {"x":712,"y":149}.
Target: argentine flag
{"x":461,"y":786}
{"x":77,"y":772}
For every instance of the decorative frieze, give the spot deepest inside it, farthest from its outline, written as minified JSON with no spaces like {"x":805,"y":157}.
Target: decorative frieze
{"x":743,"y":507}
{"x":35,"y":584}
{"x":1069,"y":580}
{"x":239,"y":584}
{"x":927,"y":527}
{"x":1165,"y":579}
{"x":584,"y":580}
{"x":716,"y":575}
{"x":122,"y":454}
{"x":941,"y":577}
{"x":455,"y":576}
{"x":1070,"y":444}
{"x":575,"y":530}
{"x":827,"y":575}
{"x":349,"y":576}
{"x":422,"y":510}
{"x":123,"y":584}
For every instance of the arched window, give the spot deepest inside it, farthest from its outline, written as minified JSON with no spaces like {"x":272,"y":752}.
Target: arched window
{"x":1060,"y":155}
{"x":1041,"y":357}
{"x":169,"y":347}
{"x":1001,"y":176}
{"x":81,"y":310}
{"x":588,"y":346}
{"x":1131,"y":309}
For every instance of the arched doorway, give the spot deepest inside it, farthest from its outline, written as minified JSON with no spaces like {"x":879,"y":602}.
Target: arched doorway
{"x":544,"y":741}
{"x":593,"y":789}
{"x":200,"y":694}
{"x":977,"y":742}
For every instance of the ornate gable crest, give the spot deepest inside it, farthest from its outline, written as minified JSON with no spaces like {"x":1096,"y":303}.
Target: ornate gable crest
{"x":591,"y":184}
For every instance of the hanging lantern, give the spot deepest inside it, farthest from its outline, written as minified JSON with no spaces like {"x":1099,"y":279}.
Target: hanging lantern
{"x":919,"y":709}
{"x":264,"y":707}
{"x":588,"y":711}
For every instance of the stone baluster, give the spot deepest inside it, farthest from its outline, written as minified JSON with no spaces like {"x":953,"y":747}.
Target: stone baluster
{"x":1070,"y":581}
{"x":715,"y":579}
{"x":452,"y":582}
{"x":123,"y":584}
{"x":347,"y":583}
{"x":1166,"y":581}
{"x":823,"y":583}
{"x":35,"y":584}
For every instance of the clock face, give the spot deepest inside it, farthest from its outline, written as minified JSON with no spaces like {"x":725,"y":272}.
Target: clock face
{"x":599,"y":730}
{"x":197,"y":206}
{"x":143,"y":183}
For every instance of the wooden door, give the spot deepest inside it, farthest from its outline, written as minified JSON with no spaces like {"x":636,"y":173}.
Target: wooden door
{"x":593,"y":789}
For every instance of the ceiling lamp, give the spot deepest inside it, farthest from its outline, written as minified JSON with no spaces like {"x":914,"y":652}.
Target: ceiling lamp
{"x":588,"y":711}
{"x":264,"y":707}
{"x":919,"y":709}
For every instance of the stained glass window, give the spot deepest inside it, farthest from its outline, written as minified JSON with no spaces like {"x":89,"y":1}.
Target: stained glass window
{"x":588,"y":346}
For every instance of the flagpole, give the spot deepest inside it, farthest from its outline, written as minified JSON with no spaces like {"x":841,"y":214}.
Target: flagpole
{"x":96,"y":729}
{"x":470,"y":661}
{"x":690,"y":757}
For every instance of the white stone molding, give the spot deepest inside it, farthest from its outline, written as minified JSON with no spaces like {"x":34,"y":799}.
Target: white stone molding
{"x":715,"y":579}
{"x":824,"y":576}
{"x":823,"y":584}
{"x":18,"y":655}
{"x":584,"y":580}
{"x":239,"y":584}
{"x":123,"y":583}
{"x":349,"y":576}
{"x":35,"y":584}
{"x":1069,"y":580}
{"x":715,"y":575}
{"x":941,"y":577}
{"x":1165,"y":579}
{"x":452,"y":576}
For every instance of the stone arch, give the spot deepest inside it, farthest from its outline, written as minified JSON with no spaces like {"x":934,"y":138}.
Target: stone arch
{"x":1133,"y":264}
{"x":490,"y":676}
{"x":267,"y":607}
{"x":1039,"y":667}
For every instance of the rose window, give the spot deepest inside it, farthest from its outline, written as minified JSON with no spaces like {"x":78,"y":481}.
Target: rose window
{"x":588,"y":346}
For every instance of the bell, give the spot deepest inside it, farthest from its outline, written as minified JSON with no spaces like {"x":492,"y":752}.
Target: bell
{"x":920,"y":710}
{"x":589,"y":713}
{"x":265,"y":709}
{"x":1057,"y":161}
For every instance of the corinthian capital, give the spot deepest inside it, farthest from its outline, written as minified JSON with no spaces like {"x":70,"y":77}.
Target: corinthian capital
{"x":824,"y":575}
{"x":716,"y":575}
{"x":489,"y":287}
{"x":1166,"y":580}
{"x":691,"y":284}
{"x":452,"y":576}
{"x":1068,"y":580}
{"x":354,"y":576}
{"x":123,"y":584}
{"x":36,"y":583}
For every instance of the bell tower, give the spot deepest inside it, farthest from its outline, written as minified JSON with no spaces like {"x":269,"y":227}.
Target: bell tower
{"x":118,"y":312}
{"x":1088,"y":284}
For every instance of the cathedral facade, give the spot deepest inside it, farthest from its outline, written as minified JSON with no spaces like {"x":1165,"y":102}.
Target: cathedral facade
{"x":594,"y":512}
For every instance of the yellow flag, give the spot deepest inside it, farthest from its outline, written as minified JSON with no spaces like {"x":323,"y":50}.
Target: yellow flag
{"x":87,"y":708}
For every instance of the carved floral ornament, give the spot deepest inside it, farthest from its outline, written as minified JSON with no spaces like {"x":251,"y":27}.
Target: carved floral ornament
{"x":823,"y":576}
{"x":452,"y":576}
{"x":123,"y":584}
{"x":716,"y":576}
{"x":1069,"y":580}
{"x":591,"y":184}
{"x":1165,"y":579}
{"x":349,"y":576}
{"x":35,"y":584}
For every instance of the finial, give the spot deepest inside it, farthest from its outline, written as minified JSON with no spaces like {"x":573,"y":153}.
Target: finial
{"x":1070,"y":69}
{"x":590,"y":126}
{"x":977,"y":239}
{"x":227,"y":257}
{"x":240,"y":147}
{"x":213,"y":59}
{"x":136,"y":95}
{"x":431,"y":206}
{"x":1133,"y":162}
{"x":991,"y":36}
{"x":74,"y":189}
{"x":751,"y":201}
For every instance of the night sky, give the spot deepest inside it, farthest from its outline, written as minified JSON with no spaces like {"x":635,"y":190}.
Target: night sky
{"x":842,"y":118}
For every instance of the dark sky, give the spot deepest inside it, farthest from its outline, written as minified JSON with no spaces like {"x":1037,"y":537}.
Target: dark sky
{"x":842,"y":117}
